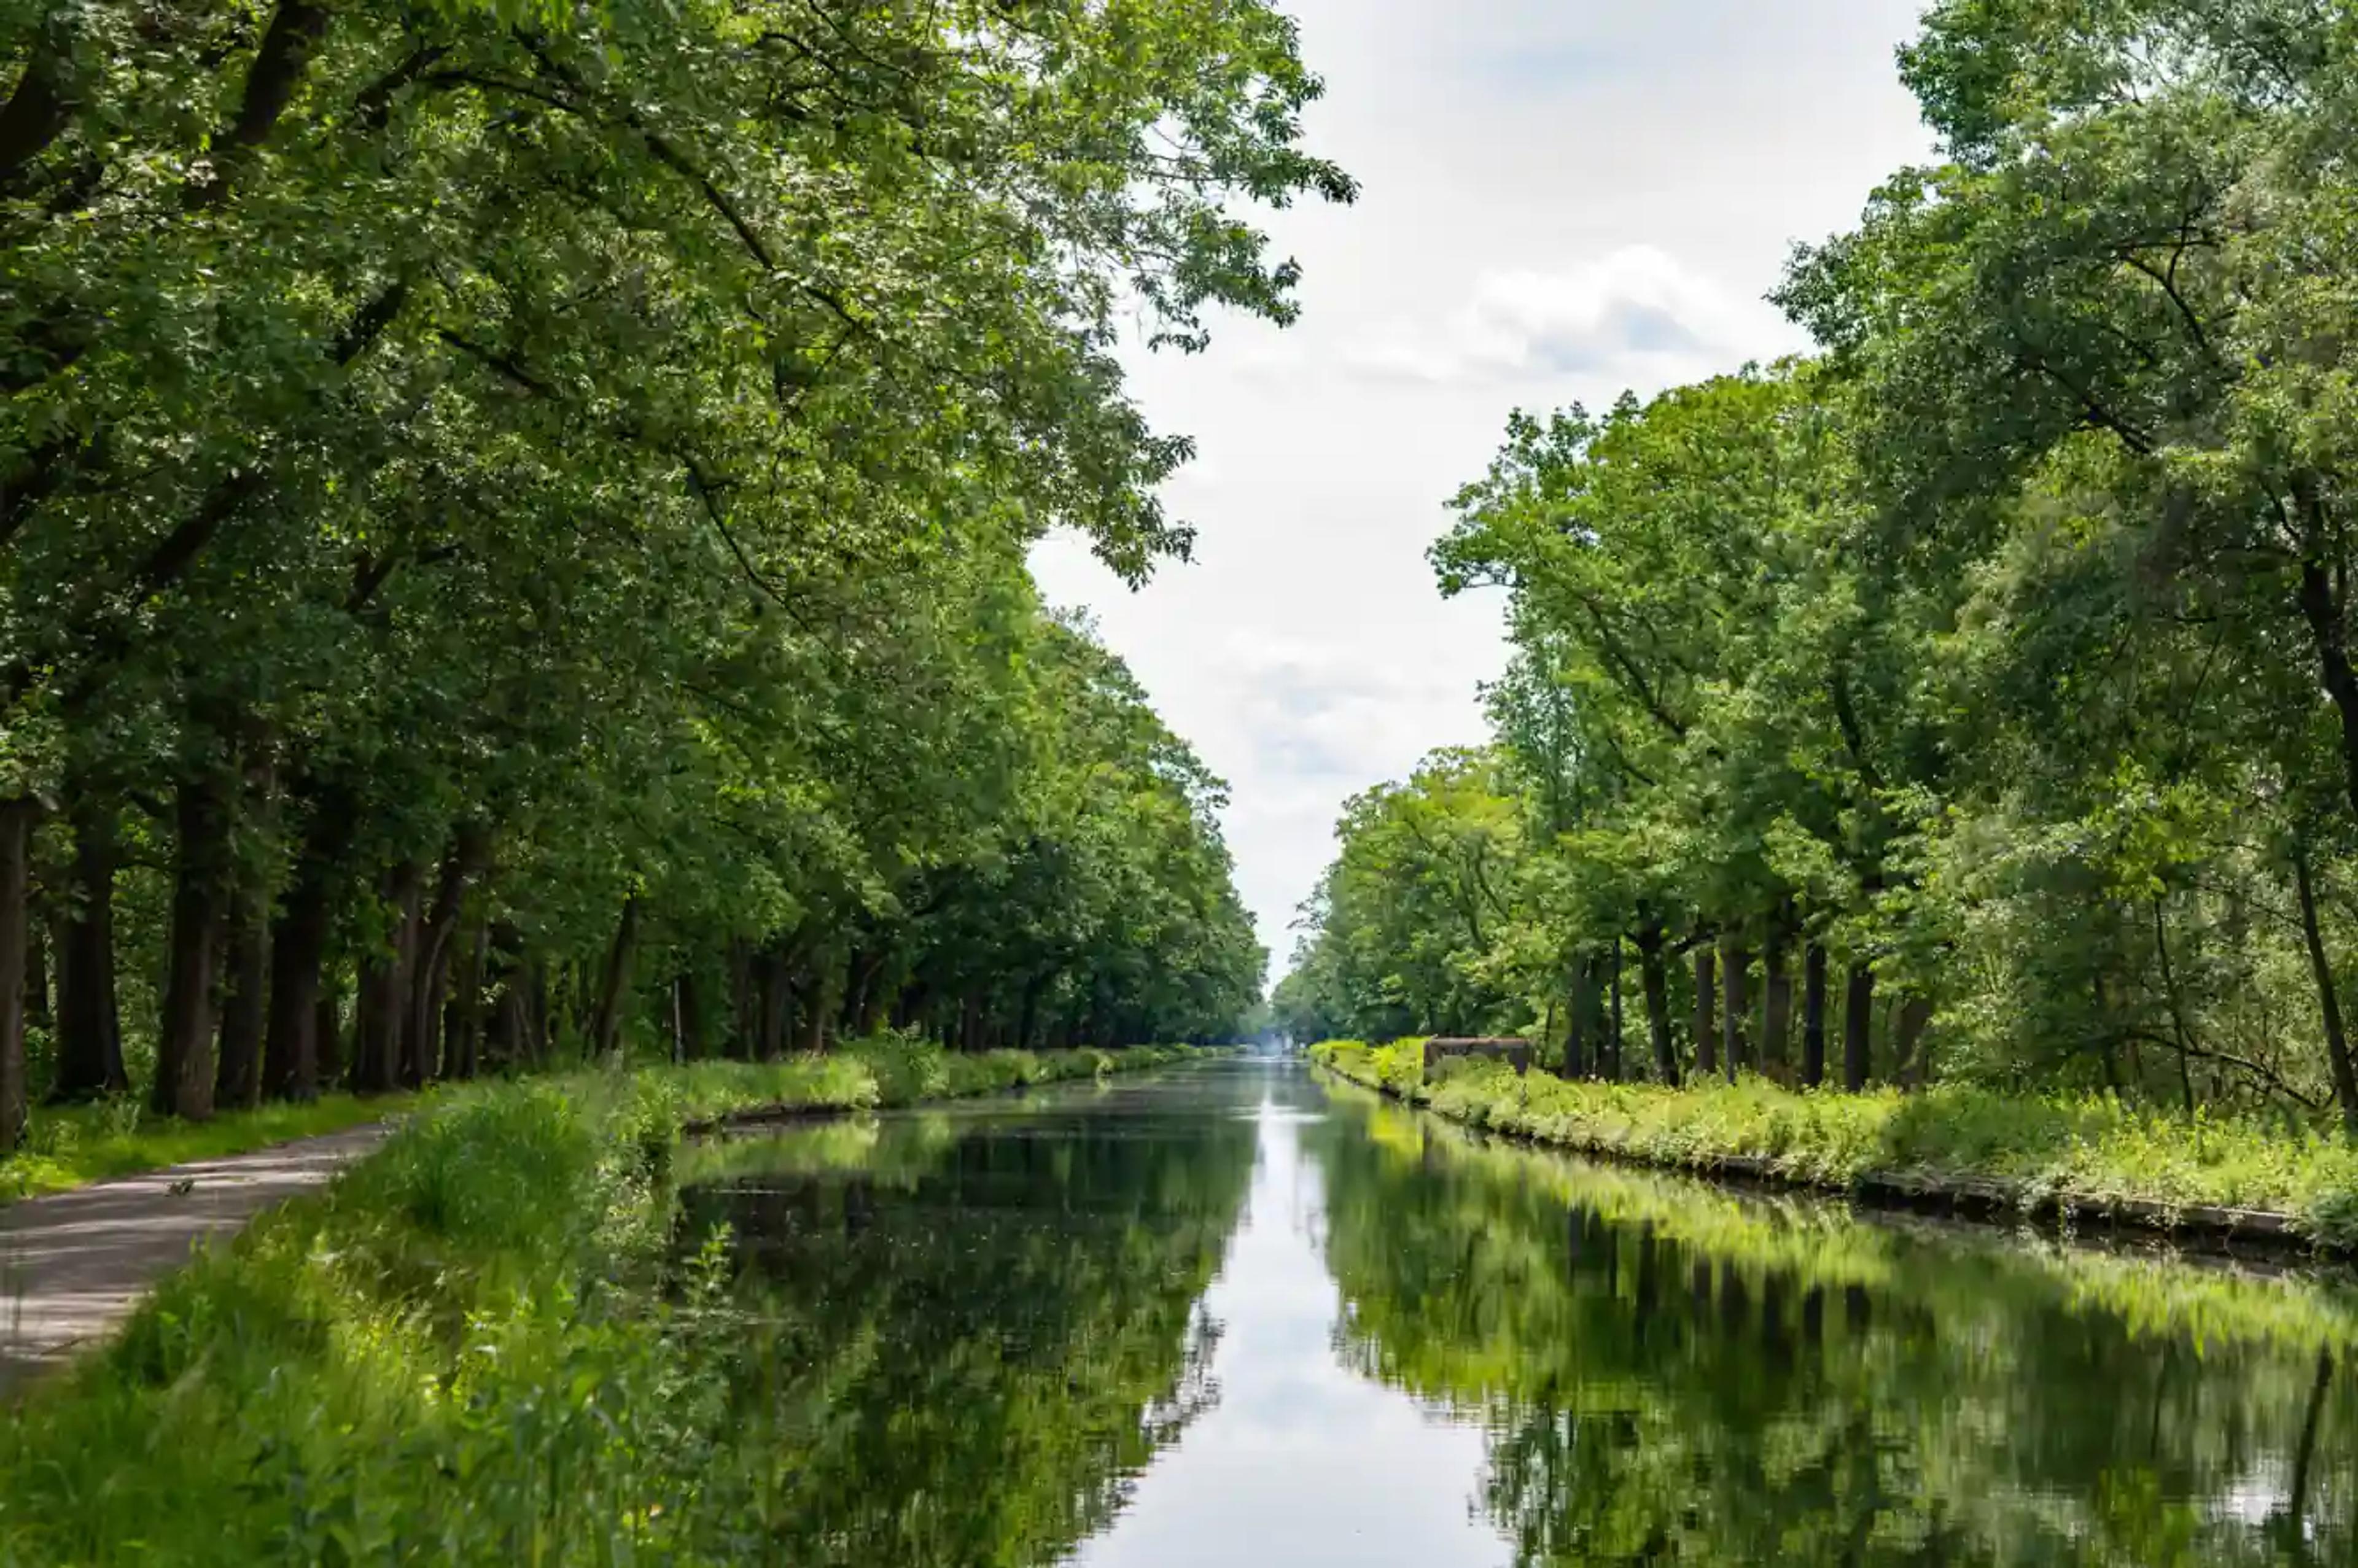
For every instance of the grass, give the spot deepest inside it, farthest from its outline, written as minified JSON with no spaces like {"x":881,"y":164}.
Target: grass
{"x":71,"y":1146}
{"x":473,"y":1346}
{"x":2089,"y":1151}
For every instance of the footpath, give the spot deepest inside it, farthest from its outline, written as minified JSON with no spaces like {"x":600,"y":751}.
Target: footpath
{"x":73,"y":1264}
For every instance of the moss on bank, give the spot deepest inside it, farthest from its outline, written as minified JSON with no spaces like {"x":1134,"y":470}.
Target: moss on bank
{"x":2090,"y":1154}
{"x":473,"y":1346}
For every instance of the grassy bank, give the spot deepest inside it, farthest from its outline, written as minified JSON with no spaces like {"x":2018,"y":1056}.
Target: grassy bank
{"x":2081,"y":1155}
{"x":73,"y":1146}
{"x":473,"y":1347}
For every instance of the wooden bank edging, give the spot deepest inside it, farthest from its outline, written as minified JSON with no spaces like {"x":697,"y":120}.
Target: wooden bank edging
{"x":1986,"y":1198}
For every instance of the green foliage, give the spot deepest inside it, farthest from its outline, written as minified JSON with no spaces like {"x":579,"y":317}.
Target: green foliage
{"x":553,"y":485}
{"x":1997,"y":658}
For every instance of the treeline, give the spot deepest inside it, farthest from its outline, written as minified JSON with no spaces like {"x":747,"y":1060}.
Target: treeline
{"x":1974,"y":698}
{"x":513,"y":520}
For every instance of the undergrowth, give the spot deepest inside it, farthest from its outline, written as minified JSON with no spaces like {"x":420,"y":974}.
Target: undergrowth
{"x":2089,"y":1149}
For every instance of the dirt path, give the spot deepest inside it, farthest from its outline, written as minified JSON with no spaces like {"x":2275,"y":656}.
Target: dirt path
{"x":73,"y":1264}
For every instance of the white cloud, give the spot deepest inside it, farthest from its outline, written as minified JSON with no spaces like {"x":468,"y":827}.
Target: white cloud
{"x":1636,"y":314}
{"x":1561,"y":198}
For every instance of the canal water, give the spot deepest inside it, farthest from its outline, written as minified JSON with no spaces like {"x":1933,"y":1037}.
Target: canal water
{"x":1236,"y":1314}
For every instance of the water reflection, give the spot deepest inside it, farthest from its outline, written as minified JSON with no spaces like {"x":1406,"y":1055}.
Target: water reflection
{"x":1235,"y":1316}
{"x":1669,"y":1374}
{"x":963,"y":1333}
{"x":1303,"y":1463}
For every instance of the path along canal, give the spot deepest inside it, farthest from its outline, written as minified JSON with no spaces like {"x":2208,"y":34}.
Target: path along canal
{"x":1236,"y":1314}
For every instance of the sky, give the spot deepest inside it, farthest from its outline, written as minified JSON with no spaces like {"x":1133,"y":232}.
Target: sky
{"x":1560,"y":200}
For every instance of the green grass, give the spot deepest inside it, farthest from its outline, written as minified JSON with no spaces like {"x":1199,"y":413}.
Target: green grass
{"x":2093,"y":1150}
{"x":473,"y":1346}
{"x":71,"y":1146}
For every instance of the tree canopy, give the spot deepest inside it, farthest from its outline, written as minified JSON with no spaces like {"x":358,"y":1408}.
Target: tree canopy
{"x":1995,"y":657}
{"x":520,"y":511}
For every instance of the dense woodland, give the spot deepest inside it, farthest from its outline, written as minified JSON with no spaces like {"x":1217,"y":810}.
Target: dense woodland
{"x":513,"y":524}
{"x":1974,"y":697}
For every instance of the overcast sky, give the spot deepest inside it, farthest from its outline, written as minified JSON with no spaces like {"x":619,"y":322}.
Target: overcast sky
{"x":1560,"y":199}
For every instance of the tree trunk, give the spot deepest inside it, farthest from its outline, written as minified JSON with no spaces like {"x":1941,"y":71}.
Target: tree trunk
{"x":1814,"y":1014}
{"x":1613,"y":1027}
{"x":90,"y":1024}
{"x":1735,"y":974}
{"x":1776,"y":1008}
{"x":462,"y":1014}
{"x":613,"y":984}
{"x":743,"y":1011}
{"x":17,"y":818}
{"x":1915,"y":1018}
{"x":507,"y":1039}
{"x":817,"y":1008}
{"x":184,"y":1036}
{"x":246,"y":947}
{"x":688,"y":1007}
{"x":2328,"y":1000}
{"x":873,"y":1004}
{"x":1580,"y":1044}
{"x":1030,"y":1012}
{"x":294,"y":1056}
{"x":237,"y":1079}
{"x":37,"y":958}
{"x":1653,"y":976}
{"x":537,"y":1043}
{"x":386,"y":976}
{"x":430,"y":980}
{"x":2179,"y":1027}
{"x":776,"y":997}
{"x":1707,"y":1011}
{"x":327,"y":1026}
{"x":1858,"y":1019}
{"x":2320,"y":606}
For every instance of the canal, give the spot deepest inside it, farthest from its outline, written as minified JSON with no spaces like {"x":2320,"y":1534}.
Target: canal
{"x":1237,"y":1315}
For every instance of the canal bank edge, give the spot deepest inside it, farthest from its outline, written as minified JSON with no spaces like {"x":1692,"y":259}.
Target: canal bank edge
{"x":2084,"y":1162}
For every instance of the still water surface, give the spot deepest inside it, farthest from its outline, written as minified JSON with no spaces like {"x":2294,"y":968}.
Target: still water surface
{"x":1235,"y":1315}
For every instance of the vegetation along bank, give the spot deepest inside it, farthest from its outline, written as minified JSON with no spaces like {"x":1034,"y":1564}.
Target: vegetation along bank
{"x":1960,"y":715}
{"x":2084,"y":1156}
{"x":484,"y":1342}
{"x":513,"y":525}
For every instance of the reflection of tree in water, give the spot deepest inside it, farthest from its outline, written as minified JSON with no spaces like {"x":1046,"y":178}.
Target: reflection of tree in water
{"x":1671,"y":1374}
{"x":962,"y":1355}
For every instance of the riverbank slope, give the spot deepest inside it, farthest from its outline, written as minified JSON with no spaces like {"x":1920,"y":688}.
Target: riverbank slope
{"x":2084,"y":1159}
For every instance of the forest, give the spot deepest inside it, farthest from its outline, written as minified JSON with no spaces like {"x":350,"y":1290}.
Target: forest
{"x":513,"y":529}
{"x":1972,"y":697}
